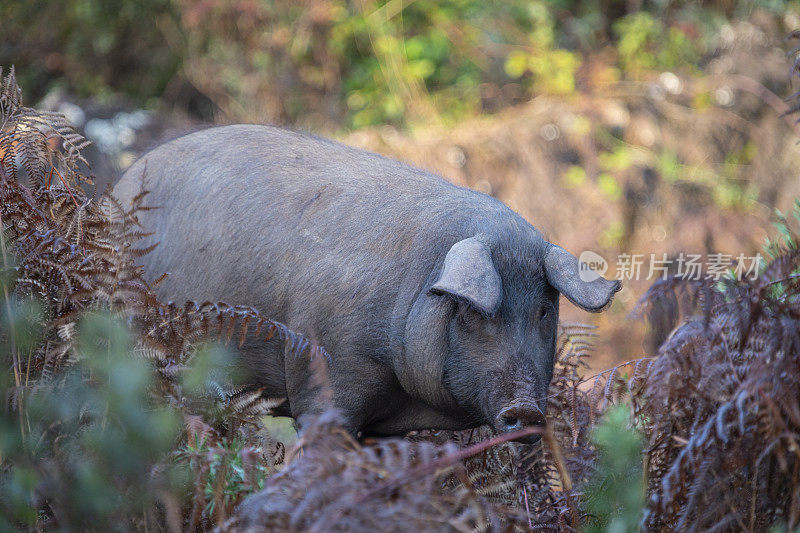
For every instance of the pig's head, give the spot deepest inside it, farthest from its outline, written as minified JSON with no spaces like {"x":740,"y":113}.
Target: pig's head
{"x":494,"y":313}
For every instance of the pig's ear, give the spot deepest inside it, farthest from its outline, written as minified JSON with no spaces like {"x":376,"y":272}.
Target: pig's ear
{"x":581,"y":285}
{"x":468,"y":274}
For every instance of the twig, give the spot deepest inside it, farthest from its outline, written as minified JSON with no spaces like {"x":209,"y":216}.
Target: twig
{"x":66,"y":187}
{"x":527,"y":509}
{"x":563,"y":474}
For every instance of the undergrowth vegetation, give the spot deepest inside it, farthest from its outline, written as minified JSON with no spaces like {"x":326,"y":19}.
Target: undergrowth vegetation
{"x":104,"y":384}
{"x":121,"y":412}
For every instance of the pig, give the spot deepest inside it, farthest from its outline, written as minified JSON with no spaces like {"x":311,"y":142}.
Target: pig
{"x":437,"y":304}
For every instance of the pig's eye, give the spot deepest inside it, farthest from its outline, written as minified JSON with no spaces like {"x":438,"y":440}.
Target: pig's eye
{"x":543,"y":312}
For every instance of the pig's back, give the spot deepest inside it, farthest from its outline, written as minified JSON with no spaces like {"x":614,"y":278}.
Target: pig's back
{"x":287,"y":222}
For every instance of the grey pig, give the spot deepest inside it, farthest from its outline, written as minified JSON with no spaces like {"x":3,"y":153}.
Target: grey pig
{"x":438,"y":304}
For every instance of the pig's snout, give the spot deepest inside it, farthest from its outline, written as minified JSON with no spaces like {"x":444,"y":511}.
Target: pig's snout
{"x":518,"y":417}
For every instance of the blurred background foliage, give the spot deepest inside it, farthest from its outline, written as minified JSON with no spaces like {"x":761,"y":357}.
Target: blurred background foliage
{"x":333,"y":64}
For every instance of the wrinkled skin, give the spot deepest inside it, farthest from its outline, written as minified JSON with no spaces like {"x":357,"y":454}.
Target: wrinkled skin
{"x":438,"y":304}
